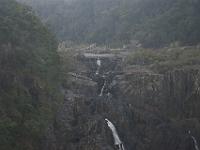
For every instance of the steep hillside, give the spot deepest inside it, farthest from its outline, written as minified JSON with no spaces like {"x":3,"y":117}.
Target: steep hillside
{"x":29,"y":78}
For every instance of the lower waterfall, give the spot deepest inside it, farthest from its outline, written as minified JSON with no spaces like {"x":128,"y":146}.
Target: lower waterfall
{"x":117,"y":140}
{"x":194,"y":140}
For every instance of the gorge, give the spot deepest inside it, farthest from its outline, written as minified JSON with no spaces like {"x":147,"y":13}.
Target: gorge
{"x":151,"y":110}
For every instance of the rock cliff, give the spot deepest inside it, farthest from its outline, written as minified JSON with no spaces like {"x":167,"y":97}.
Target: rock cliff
{"x":151,"y":111}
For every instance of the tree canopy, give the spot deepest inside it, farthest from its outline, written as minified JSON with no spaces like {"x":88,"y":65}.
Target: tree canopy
{"x":154,"y":23}
{"x":29,"y":77}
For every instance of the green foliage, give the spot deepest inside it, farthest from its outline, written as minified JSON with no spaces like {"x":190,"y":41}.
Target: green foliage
{"x":162,"y":60}
{"x":145,"y":57}
{"x":172,"y":21}
{"x":29,"y":77}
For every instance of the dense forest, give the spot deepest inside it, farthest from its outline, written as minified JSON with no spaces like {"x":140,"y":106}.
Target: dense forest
{"x":154,"y":23}
{"x":29,"y":77}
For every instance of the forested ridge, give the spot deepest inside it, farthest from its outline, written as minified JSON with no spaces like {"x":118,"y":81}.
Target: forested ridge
{"x":154,"y":23}
{"x":29,"y":77}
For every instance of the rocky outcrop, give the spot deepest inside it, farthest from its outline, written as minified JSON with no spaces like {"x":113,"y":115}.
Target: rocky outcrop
{"x":150,"y":111}
{"x":164,"y":107}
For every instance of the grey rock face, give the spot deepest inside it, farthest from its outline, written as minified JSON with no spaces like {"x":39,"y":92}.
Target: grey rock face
{"x":151,"y":111}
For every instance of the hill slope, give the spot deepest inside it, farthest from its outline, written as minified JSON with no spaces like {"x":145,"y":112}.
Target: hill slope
{"x":29,"y":77}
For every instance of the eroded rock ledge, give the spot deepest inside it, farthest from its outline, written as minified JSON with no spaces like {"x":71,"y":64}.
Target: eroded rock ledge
{"x":151,"y":111}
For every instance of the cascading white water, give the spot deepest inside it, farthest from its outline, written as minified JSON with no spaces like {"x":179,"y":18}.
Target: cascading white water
{"x":195,"y":143}
{"x":99,"y":65}
{"x":97,"y":72}
{"x":194,"y":140}
{"x":117,"y":140}
{"x":102,"y":89}
{"x":98,"y":62}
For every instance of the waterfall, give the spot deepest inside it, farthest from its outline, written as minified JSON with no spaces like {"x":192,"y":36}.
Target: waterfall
{"x":195,"y":143}
{"x":99,"y":65}
{"x":102,"y":89}
{"x":117,"y":140}
{"x":194,"y":140}
{"x":98,"y":62}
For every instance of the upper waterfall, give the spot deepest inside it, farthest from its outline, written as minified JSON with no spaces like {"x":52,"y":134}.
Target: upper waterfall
{"x":98,"y":66}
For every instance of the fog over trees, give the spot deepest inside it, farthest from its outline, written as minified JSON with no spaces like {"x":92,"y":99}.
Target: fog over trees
{"x":155,"y":23}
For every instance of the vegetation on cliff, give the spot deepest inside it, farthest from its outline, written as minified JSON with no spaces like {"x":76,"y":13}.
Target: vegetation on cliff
{"x":29,"y":77}
{"x":166,"y":59}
